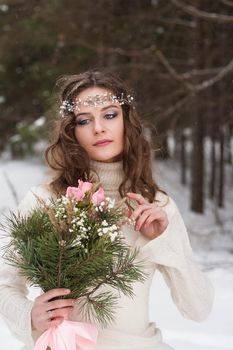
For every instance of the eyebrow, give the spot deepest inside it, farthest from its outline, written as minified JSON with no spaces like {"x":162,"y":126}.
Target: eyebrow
{"x":102,"y":109}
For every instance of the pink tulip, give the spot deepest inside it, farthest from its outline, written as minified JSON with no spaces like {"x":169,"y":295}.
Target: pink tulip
{"x":74,"y":193}
{"x":84,"y":186}
{"x":98,"y":196}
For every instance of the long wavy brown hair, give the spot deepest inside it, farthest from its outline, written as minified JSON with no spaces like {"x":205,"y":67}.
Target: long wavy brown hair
{"x":71,"y":162}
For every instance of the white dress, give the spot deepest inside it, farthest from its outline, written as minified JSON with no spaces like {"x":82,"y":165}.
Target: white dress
{"x":170,"y":253}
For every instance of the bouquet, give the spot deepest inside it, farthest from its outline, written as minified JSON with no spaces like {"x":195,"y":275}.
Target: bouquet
{"x":76,"y":242}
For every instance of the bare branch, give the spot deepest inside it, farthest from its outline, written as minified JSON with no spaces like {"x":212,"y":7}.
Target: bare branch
{"x":227,"y":2}
{"x":223,"y":72}
{"x":216,"y":17}
{"x":166,"y":100}
{"x":162,"y":59}
{"x":198,"y":87}
{"x":193,"y":89}
{"x":116,"y":50}
{"x":201,"y":72}
{"x":173,"y":109}
{"x":177,"y":21}
{"x":172,"y":71}
{"x":165,"y":76}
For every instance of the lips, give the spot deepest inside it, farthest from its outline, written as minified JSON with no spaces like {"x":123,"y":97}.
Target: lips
{"x":103,"y":142}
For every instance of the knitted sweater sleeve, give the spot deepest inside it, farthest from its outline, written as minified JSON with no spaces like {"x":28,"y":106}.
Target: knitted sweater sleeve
{"x":172,"y":254}
{"x":15,"y":307}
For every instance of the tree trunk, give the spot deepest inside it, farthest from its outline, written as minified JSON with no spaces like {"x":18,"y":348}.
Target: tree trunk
{"x":197,"y":198}
{"x":221,"y":171}
{"x":229,"y":145}
{"x":212,"y":170}
{"x":183,"y":159}
{"x":165,"y":148}
{"x":197,"y":167}
{"x":177,"y":136}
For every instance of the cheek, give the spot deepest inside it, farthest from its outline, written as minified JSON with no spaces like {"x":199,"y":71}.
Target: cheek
{"x":81,"y":136}
{"x":121,"y":134}
{"x":118,"y":128}
{"x":76,"y":134}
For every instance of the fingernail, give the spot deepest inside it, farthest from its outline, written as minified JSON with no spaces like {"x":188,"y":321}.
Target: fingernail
{"x":67,"y":291}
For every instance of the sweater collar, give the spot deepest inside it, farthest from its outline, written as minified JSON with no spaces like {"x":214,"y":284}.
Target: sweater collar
{"x":109,"y":174}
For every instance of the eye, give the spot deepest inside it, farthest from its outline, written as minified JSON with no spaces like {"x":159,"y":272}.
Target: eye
{"x":82,"y":122}
{"x":110,"y":115}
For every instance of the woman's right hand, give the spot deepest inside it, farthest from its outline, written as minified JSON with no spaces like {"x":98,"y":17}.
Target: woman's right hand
{"x":46,"y":313}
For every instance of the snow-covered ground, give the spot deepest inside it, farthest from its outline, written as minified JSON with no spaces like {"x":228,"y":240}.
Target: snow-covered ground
{"x":213,"y":246}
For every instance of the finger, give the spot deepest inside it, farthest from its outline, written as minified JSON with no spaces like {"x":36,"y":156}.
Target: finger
{"x":48,"y":315}
{"x":142,"y":219}
{"x":137,"y":197}
{"x":65,"y":312}
{"x":52,"y":323}
{"x":128,"y":213}
{"x":60,"y":303}
{"x":53,"y":293}
{"x":139,"y":210}
{"x":160,"y":217}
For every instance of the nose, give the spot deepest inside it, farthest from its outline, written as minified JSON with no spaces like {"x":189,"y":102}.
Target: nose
{"x":98,"y":126}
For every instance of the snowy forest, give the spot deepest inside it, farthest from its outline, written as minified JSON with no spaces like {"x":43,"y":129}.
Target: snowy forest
{"x":177,"y":58}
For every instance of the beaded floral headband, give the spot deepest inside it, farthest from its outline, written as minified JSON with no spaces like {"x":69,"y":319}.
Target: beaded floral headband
{"x":94,"y":101}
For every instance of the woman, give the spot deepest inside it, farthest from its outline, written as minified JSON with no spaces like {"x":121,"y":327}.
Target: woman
{"x":100,"y":138}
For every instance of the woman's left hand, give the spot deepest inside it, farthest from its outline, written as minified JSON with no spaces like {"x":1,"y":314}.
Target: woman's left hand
{"x":151,"y":220}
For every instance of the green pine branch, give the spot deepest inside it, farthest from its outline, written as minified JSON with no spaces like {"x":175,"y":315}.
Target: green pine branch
{"x":38,"y":250}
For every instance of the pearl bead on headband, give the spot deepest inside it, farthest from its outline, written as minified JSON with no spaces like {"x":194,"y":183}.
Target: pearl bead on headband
{"x":94,"y":101}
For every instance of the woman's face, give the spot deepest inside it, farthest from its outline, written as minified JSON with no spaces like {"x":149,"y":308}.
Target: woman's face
{"x":100,"y":129}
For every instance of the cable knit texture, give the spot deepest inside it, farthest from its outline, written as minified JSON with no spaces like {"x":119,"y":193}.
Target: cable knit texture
{"x":170,"y":253}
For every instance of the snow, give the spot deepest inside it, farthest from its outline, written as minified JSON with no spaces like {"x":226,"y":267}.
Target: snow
{"x":212,"y":243}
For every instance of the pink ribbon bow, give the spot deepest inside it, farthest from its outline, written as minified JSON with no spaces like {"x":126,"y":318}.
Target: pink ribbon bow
{"x":68,"y":336}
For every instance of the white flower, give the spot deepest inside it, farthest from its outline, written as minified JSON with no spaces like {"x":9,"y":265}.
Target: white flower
{"x":104,"y":223}
{"x":113,"y":236}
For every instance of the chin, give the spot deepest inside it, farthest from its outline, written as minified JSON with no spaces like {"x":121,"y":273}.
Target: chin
{"x":109,"y":159}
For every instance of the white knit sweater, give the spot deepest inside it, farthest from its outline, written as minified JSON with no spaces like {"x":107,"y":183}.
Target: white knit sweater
{"x":170,"y":253}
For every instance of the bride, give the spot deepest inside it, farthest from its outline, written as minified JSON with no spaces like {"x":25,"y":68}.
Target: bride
{"x":100,"y":136}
